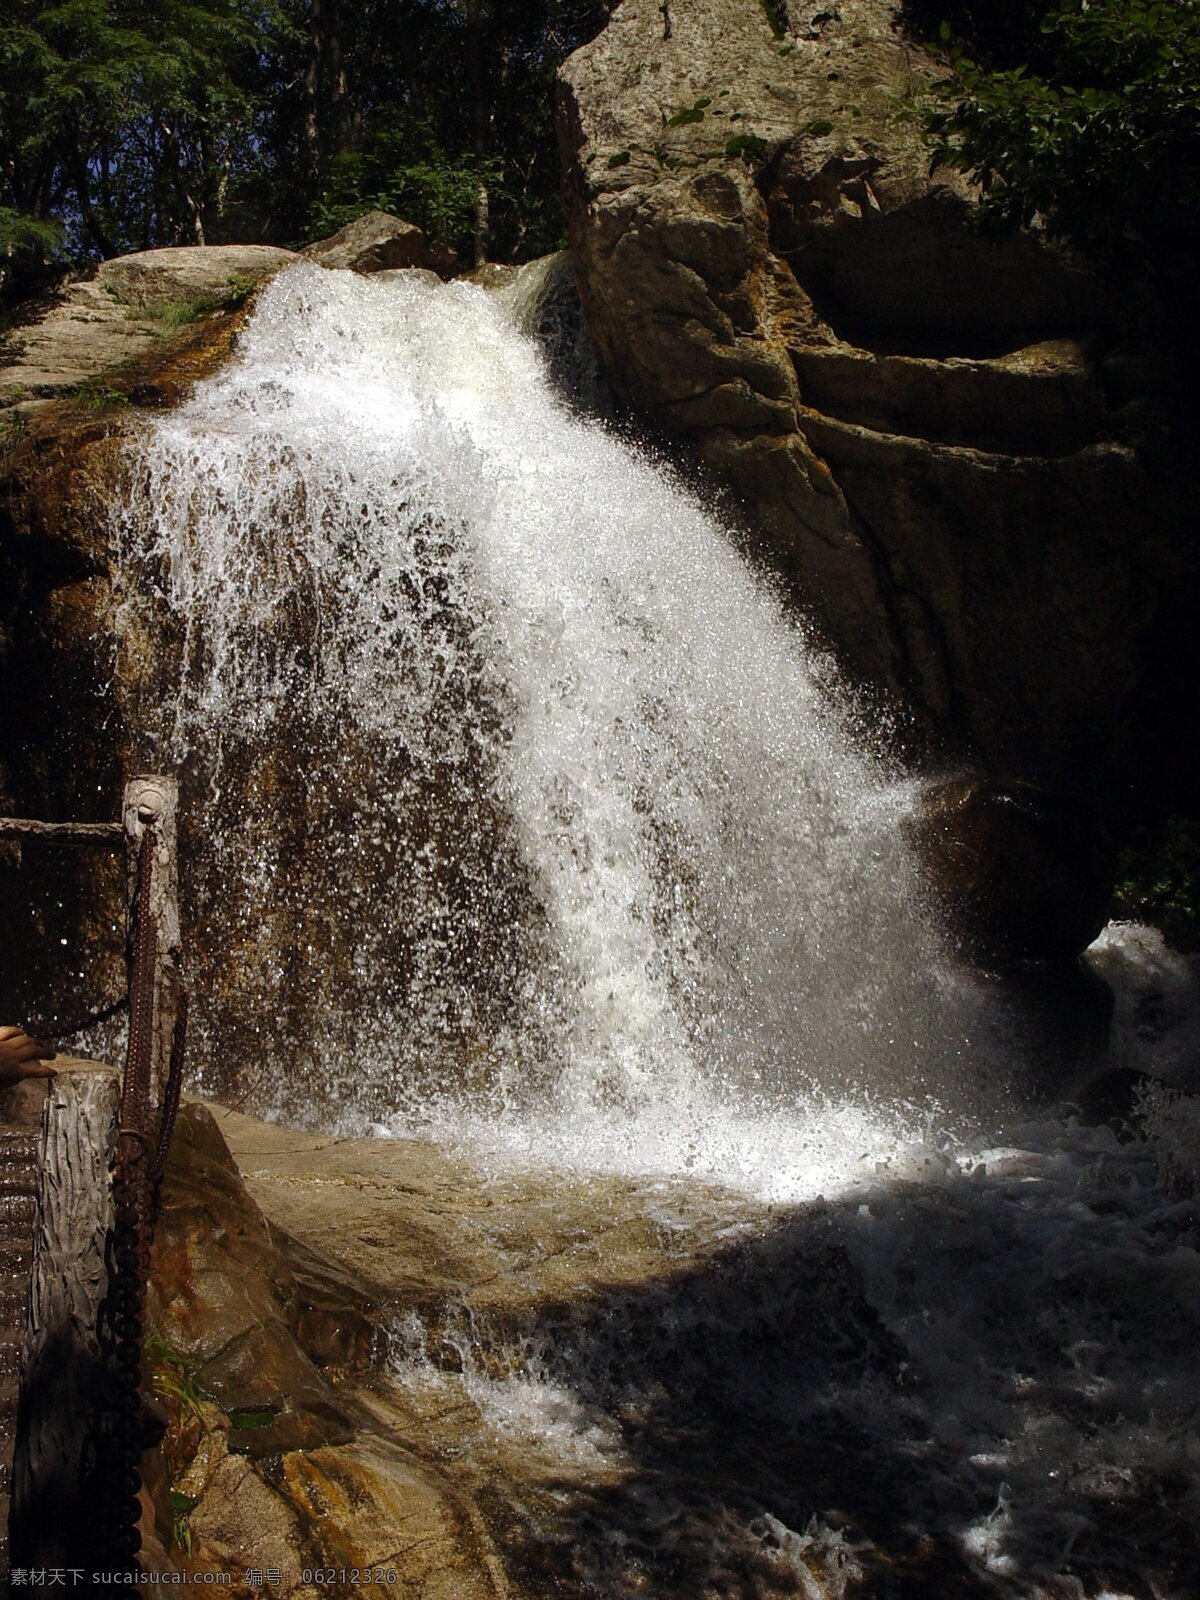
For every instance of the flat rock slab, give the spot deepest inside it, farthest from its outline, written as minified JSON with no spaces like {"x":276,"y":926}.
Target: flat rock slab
{"x":132,"y":304}
{"x":423,"y":1230}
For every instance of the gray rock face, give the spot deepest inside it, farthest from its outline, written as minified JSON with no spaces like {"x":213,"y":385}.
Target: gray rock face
{"x":933,"y":434}
{"x":131,"y":305}
{"x":379,"y":242}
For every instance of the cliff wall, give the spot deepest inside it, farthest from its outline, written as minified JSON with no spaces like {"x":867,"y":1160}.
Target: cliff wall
{"x":968,"y":456}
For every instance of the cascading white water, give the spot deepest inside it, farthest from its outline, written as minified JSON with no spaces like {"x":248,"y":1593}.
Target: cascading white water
{"x":584,"y":849}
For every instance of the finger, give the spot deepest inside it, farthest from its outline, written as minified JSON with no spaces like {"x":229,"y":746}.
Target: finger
{"x":20,"y":1046}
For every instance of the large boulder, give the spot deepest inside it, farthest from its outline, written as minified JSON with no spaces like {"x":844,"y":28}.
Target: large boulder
{"x":70,"y":344}
{"x":955,"y":448}
{"x":380,"y":242}
{"x":1024,"y":875}
{"x":253,"y":1341}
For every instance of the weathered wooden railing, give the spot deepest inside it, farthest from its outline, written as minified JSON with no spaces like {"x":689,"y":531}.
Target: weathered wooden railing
{"x":149,"y":801}
{"x":82,"y":1421}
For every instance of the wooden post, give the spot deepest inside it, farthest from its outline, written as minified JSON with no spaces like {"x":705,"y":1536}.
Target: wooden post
{"x":152,"y":801}
{"x":55,"y":1506}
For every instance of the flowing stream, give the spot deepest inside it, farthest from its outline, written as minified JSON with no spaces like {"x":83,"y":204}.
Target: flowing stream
{"x":524,"y":817}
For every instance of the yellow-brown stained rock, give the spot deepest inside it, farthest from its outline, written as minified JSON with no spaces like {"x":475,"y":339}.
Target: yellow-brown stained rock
{"x":369,"y":1504}
{"x":242,"y":1523}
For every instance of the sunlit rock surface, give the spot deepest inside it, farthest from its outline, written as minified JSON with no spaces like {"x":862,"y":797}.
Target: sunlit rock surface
{"x":380,"y":242}
{"x":971,"y":458}
{"x":74,"y":338}
{"x":264,"y":1465}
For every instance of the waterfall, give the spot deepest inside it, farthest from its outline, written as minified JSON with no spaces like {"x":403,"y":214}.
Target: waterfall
{"x":518,"y":801}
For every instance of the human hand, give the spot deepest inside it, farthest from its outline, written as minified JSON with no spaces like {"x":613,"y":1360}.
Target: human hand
{"x":23,"y":1057}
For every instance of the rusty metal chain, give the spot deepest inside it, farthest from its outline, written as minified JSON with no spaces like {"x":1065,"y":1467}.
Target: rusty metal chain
{"x":132,"y":1424}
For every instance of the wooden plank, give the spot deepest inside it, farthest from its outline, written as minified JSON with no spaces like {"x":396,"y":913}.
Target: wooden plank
{"x":56,"y":1509}
{"x":98,"y":835}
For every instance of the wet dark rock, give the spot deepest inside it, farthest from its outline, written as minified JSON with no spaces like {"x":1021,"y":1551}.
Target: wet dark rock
{"x":226,"y":1299}
{"x":1025,"y":874}
{"x":221,"y":1297}
{"x":1112,"y":1098}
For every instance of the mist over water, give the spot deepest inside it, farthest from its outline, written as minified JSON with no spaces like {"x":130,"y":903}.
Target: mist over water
{"x":524,"y":805}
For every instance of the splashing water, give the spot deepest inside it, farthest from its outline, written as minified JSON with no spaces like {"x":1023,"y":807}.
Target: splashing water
{"x":518,"y":801}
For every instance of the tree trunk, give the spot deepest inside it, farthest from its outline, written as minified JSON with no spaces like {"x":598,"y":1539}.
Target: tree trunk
{"x":476,"y":88}
{"x":83,"y":195}
{"x":329,"y":112}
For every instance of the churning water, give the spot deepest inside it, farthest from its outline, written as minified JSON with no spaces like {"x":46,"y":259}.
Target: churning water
{"x":513,"y":789}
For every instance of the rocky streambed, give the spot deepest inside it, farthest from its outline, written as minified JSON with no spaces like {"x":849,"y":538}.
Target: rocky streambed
{"x":959,"y":1371}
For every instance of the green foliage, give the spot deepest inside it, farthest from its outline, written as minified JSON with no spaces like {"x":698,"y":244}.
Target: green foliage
{"x":750,"y":146}
{"x":1086,"y":116}
{"x":449,"y":99}
{"x":1158,"y":880}
{"x":19,"y":232}
{"x":250,"y":1417}
{"x":122,"y":124}
{"x":94,"y":395}
{"x":126,"y":126}
{"x":171,"y":1377}
{"x":438,"y":196}
{"x":182,"y":1506}
{"x":693,"y":113}
{"x":174,"y":1383}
